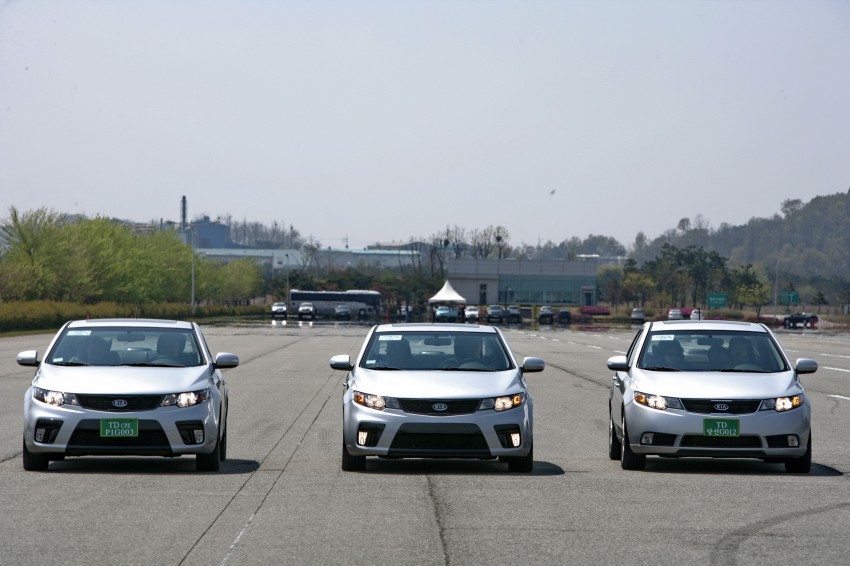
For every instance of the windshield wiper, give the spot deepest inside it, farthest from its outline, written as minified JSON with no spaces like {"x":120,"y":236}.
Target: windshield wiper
{"x":660,"y":368}
{"x":69,"y":364}
{"x":464,"y":369}
{"x":733,"y":370}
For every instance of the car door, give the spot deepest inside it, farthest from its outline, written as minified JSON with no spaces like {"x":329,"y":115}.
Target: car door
{"x":619,"y":381}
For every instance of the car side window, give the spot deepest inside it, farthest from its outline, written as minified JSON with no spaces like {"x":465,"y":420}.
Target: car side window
{"x":630,"y":355}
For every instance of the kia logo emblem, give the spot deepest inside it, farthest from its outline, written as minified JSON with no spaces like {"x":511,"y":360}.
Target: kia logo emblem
{"x":439,"y":406}
{"x":721,"y":406}
{"x":119,"y":403}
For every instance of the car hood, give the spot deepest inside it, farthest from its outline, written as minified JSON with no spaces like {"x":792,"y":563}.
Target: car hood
{"x":436,"y":384}
{"x":716,"y":385}
{"x":125,"y":380}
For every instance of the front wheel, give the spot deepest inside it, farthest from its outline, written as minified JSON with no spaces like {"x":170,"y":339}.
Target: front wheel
{"x":803,"y":464}
{"x":35,"y":462}
{"x":613,"y":442}
{"x":525,"y":464}
{"x":352,"y":463}
{"x":212,"y":461}
{"x":628,"y":459}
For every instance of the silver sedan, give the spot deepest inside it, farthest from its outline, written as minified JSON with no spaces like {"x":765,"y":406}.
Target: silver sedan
{"x":437,"y":391}
{"x":717,"y":389}
{"x":126,"y":387}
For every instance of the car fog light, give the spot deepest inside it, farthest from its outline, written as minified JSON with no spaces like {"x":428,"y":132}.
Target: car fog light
{"x":515,"y":439}
{"x":362,"y":437}
{"x":793,"y":441}
{"x":646,"y":438}
{"x":39,"y":435}
{"x":199,"y":435}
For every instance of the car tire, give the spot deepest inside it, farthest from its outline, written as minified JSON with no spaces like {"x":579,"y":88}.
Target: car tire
{"x":352,"y":463}
{"x":628,"y":459}
{"x":209,"y":462}
{"x":523,"y":464}
{"x":614,"y":449}
{"x":803,"y":464}
{"x":222,"y":448}
{"x":34,"y":462}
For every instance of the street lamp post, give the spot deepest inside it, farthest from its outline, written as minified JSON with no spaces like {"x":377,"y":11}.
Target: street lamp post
{"x":192,"y":246}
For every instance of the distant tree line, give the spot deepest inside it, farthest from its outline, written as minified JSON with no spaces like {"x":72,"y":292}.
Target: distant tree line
{"x":47,"y":256}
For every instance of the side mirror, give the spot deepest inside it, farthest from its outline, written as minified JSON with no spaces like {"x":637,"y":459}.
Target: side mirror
{"x":618,"y":363}
{"x":28,"y":358}
{"x":342,"y":361}
{"x":803,"y":365}
{"x":224,"y":360}
{"x":530,"y":365}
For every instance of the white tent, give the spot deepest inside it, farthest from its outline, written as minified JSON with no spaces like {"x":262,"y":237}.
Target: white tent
{"x":447,"y":295}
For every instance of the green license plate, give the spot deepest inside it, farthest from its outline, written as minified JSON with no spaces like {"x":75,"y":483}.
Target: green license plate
{"x":119,"y":428}
{"x":721,"y":427}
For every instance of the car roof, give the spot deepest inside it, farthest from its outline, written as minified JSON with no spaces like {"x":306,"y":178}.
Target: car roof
{"x":130,"y":322}
{"x":702,"y":325}
{"x":430,"y":327}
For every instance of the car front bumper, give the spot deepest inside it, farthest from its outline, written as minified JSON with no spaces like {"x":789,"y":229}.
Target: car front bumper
{"x":75,"y":431}
{"x":764,"y":434}
{"x":395,"y":434}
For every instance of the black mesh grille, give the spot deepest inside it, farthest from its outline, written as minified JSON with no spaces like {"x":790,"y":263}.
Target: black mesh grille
{"x":86,"y":439}
{"x":439,"y":442}
{"x":707,"y":406}
{"x":699,"y":441}
{"x":133,"y":402}
{"x":452,"y":406}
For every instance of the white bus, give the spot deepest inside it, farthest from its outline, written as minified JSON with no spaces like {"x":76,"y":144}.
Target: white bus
{"x":364,"y":305}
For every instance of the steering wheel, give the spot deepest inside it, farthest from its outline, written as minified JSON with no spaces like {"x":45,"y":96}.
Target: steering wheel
{"x":468,"y":363}
{"x":166,"y":361}
{"x":747,"y":367}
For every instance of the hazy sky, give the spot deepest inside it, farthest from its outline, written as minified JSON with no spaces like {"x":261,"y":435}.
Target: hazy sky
{"x":386,"y":120}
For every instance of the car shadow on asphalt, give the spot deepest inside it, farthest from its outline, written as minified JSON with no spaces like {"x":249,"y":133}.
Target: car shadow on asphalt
{"x":142,"y":466}
{"x":722,"y":466}
{"x":455,"y":467}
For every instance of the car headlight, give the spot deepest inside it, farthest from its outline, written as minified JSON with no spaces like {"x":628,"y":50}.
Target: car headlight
{"x":781,"y":404}
{"x":55,"y":398}
{"x":376,"y":402}
{"x":186,"y":399}
{"x":502,"y":403}
{"x":657,"y":401}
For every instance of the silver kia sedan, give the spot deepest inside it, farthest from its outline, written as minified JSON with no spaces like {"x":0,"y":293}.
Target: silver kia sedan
{"x":717,"y":389}
{"x":437,"y":391}
{"x":126,"y":387}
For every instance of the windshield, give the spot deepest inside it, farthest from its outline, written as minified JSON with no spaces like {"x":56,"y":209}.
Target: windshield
{"x":467,"y":351}
{"x":711,"y":351}
{"x":116,"y":346}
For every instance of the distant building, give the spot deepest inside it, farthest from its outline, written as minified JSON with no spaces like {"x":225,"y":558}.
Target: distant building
{"x":538,"y":282}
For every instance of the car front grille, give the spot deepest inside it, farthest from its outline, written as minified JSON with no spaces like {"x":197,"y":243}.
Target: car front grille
{"x":700,"y":441}
{"x":130,"y":402}
{"x":463,"y":440}
{"x":452,"y":406}
{"x":86,"y":439}
{"x":707,"y":406}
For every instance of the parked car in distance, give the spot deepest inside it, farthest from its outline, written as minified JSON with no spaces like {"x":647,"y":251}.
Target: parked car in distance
{"x":278,"y":310}
{"x":433,"y":391}
{"x":564,"y":316}
{"x":513,"y":315}
{"x":495,"y":313}
{"x":470,"y":313}
{"x":804,"y":319}
{"x":696,"y":314}
{"x":342,"y":312}
{"x":675,"y":314}
{"x":306,"y":310}
{"x":445,"y":314}
{"x":715,"y":389}
{"x":638,"y":316}
{"x":546,"y":314}
{"x":131,"y":387}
